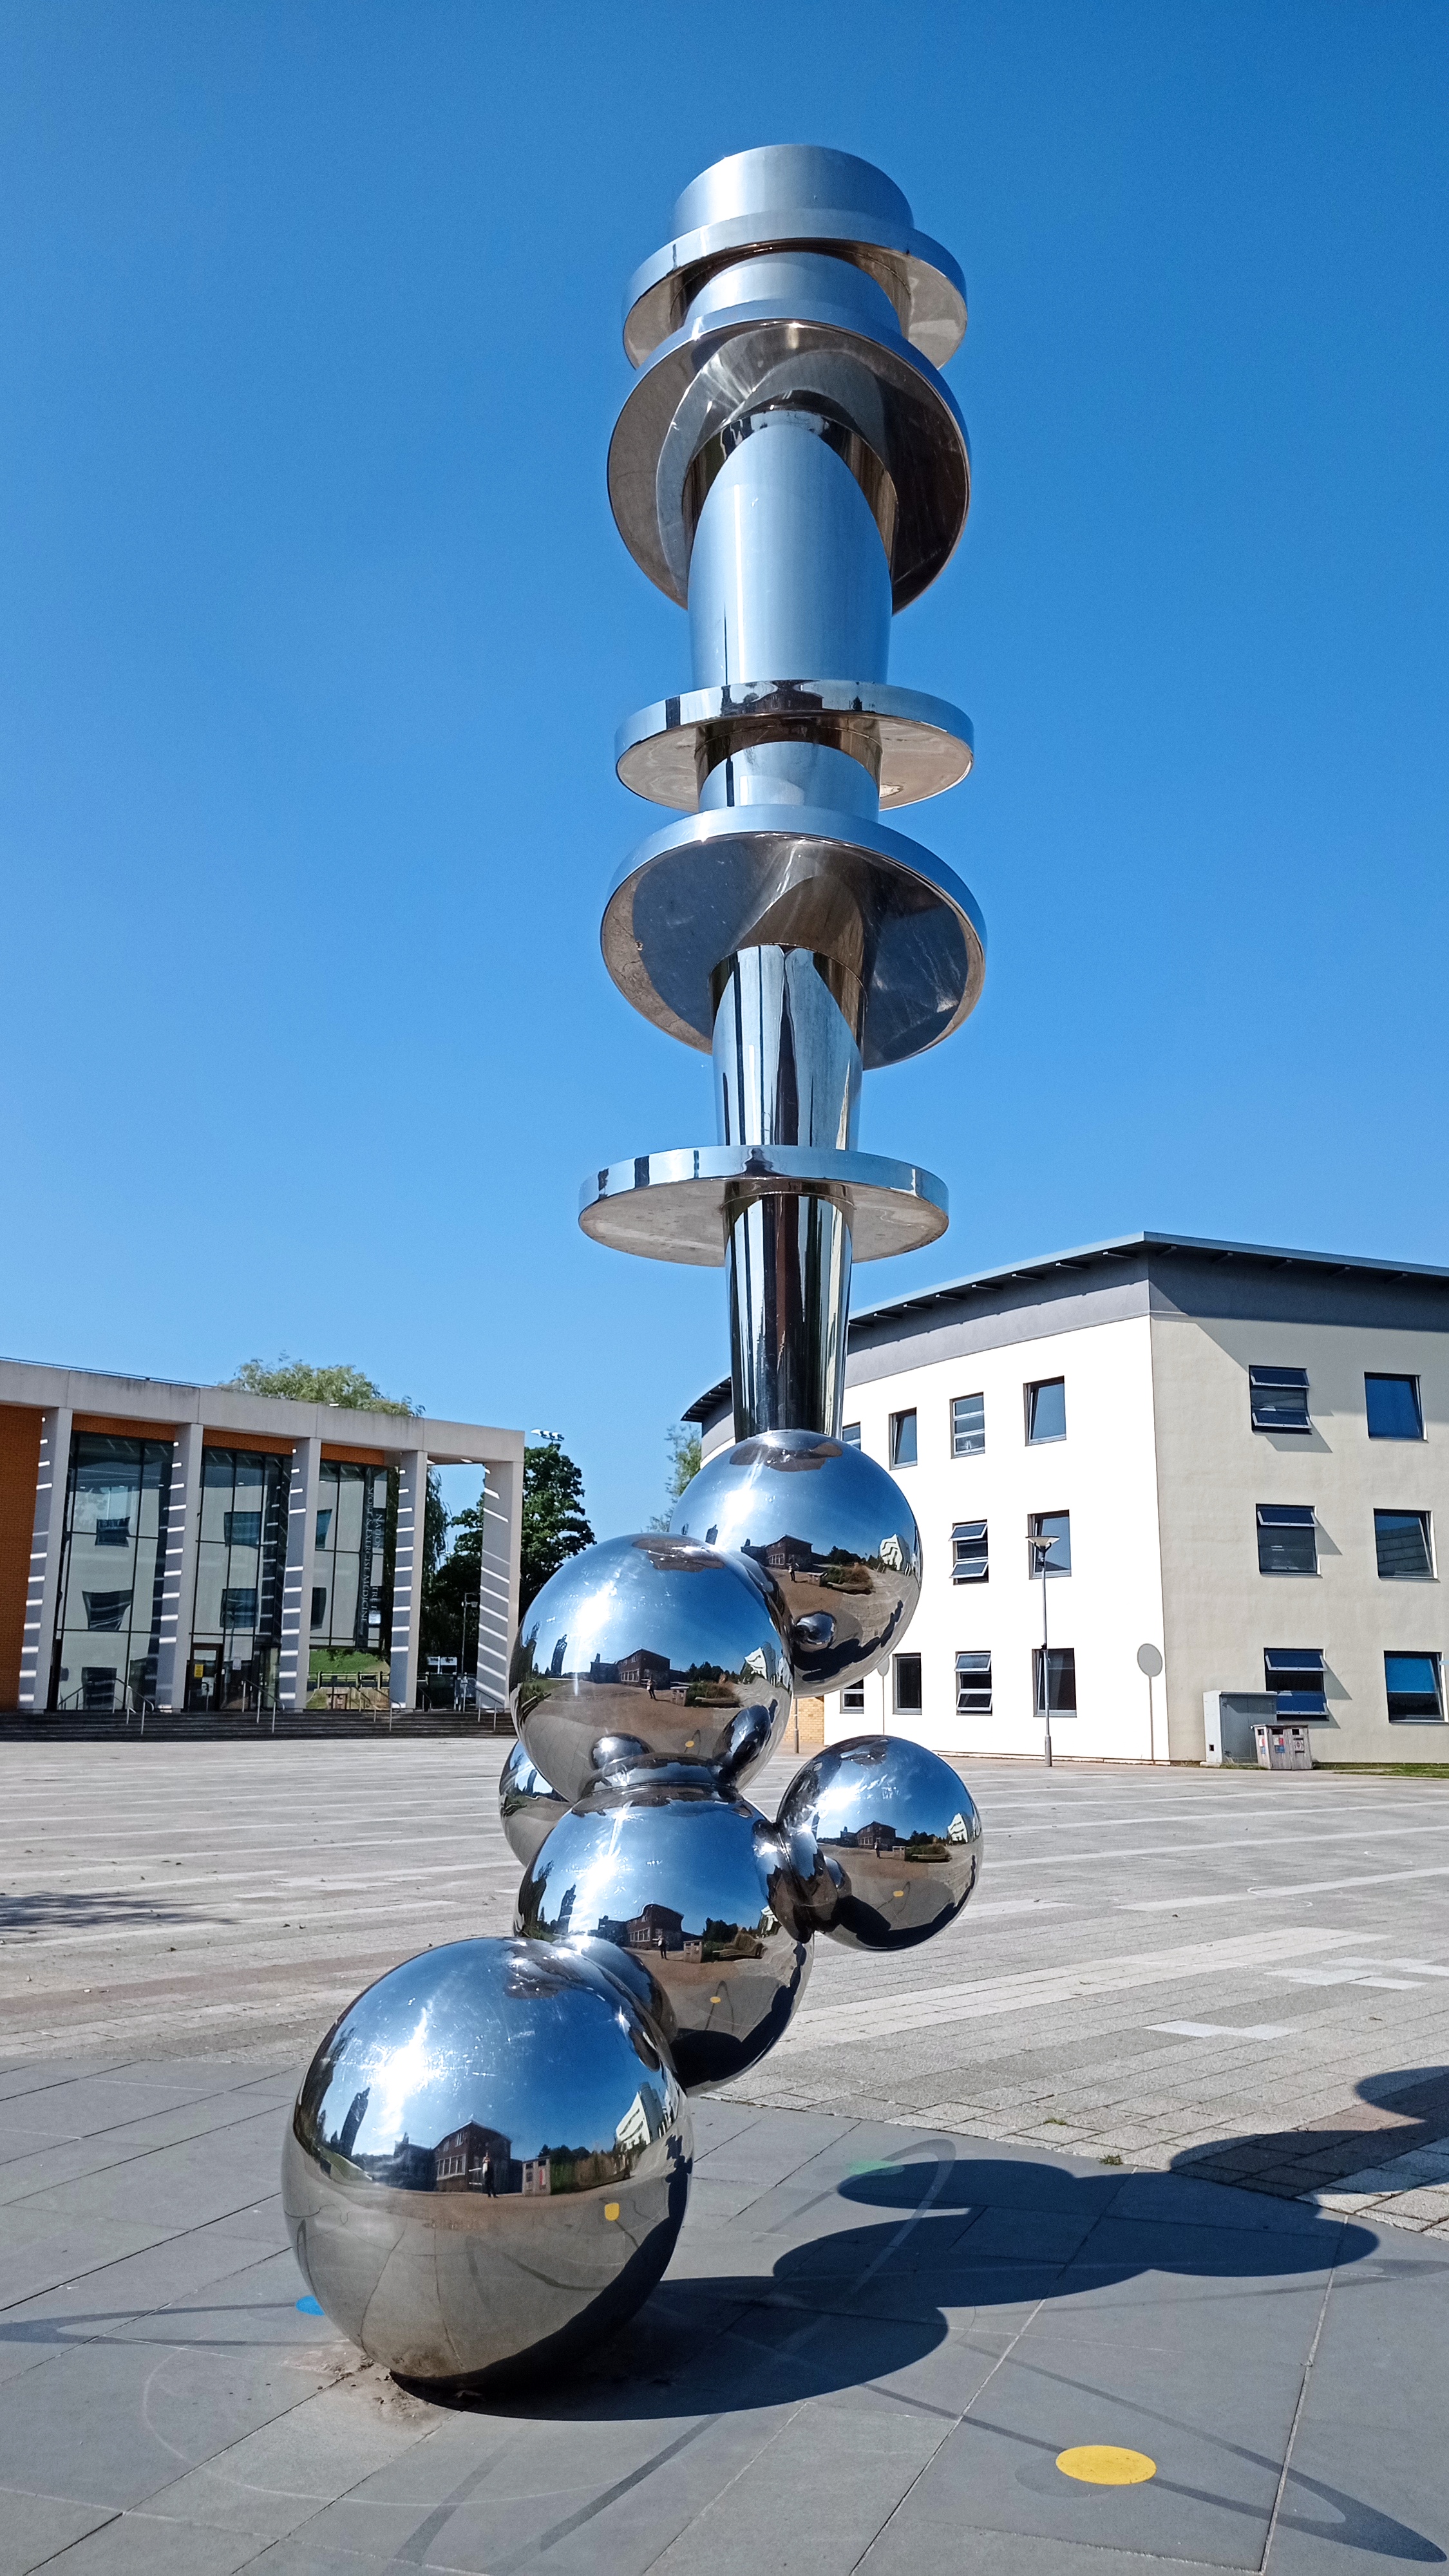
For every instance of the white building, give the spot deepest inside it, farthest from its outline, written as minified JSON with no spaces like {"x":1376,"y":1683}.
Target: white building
{"x":1240,"y":1457}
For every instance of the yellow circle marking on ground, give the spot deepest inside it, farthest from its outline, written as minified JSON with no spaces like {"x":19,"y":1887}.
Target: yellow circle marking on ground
{"x":611,"y":2209}
{"x":1101,"y":2464}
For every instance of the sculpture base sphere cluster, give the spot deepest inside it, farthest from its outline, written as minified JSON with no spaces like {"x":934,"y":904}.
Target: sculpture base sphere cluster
{"x":833,"y":1530}
{"x":650,"y":1649}
{"x":488,"y":2163}
{"x":697,"y":1887}
{"x":899,"y":1836}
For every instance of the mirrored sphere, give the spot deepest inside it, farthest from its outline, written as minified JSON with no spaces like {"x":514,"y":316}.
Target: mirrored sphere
{"x":697,"y":1887}
{"x":650,"y":1647}
{"x":488,"y":2162}
{"x":834,"y":1531}
{"x":528,"y":1805}
{"x":899,"y":1835}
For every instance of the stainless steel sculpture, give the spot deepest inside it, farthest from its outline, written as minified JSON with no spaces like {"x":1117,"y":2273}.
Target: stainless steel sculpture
{"x":791,"y":469}
{"x":488,"y":2161}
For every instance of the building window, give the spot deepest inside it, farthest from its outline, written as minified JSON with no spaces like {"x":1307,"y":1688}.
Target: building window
{"x":319,"y":1605}
{"x":1393,"y":1407}
{"x":1295,"y":1675}
{"x":1046,"y":1409}
{"x":118,"y":1494}
{"x":852,"y":1700}
{"x":969,"y":1561}
{"x":1403,"y":1543}
{"x":1056,"y":1672}
{"x":1279,"y":1399}
{"x":107,"y":1611}
{"x":903,"y":1439}
{"x":851,"y":1435}
{"x":1287,"y":1539}
{"x":968,"y":1426}
{"x":240,"y":1571}
{"x":1049,"y":1536}
{"x":973,"y":1685}
{"x":239,"y":1606}
{"x":241,"y":1529}
{"x":324,"y":1523}
{"x":906,"y":1672}
{"x":1415,"y":1685}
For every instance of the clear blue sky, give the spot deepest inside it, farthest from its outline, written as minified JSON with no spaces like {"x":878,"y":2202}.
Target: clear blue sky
{"x":314,"y":631}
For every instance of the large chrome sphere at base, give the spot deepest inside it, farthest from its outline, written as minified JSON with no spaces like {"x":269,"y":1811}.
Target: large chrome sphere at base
{"x":834,"y":1531}
{"x":488,"y":2162}
{"x":650,"y":1646}
{"x":697,"y":1887}
{"x":899,"y":1836}
{"x":528,"y":1805}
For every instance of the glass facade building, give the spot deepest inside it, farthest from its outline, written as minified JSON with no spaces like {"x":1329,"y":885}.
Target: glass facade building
{"x":241,"y":1559}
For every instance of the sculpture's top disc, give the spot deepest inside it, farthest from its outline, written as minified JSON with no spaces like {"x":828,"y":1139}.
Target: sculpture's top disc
{"x":798,"y":196}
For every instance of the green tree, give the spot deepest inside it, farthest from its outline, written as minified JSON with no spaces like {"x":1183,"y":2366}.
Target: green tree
{"x":554,"y":1525}
{"x":303,"y":1383}
{"x":683,"y":1444}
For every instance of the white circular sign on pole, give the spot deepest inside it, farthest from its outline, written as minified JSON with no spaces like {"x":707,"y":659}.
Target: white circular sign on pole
{"x":1149,"y":1661}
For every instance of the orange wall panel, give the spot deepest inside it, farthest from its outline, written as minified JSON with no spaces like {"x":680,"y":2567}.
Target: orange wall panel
{"x":19,"y":1466}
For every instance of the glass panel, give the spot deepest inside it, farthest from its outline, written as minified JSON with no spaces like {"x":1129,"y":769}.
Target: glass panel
{"x":240,"y":1566}
{"x":852,"y":1701}
{"x":1415,"y":1686}
{"x":970,"y":1561}
{"x":1295,"y":1674}
{"x":851,"y":1435}
{"x":1046,"y":1409}
{"x":1394,"y":1411}
{"x":1287,"y":1539}
{"x":113,"y":1563}
{"x":973,"y":1685}
{"x":1279,"y":1399}
{"x":1061,"y":1677}
{"x":968,"y":1426}
{"x":1401,"y":1543}
{"x":903,"y":1439}
{"x":1056,"y":1528}
{"x":908,"y":1684}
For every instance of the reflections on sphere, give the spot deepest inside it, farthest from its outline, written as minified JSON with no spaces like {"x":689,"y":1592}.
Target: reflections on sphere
{"x":697,"y":1887}
{"x":528,"y":1805}
{"x":898,"y":1833}
{"x":831,"y":1528}
{"x":488,"y":2162}
{"x":650,"y":1647}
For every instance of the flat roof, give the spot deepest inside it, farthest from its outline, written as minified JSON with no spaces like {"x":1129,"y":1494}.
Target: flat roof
{"x":43,"y":1385}
{"x":981,"y":1283}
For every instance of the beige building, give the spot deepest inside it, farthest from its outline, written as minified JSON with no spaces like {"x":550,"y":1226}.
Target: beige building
{"x":1231,"y":1457}
{"x":199,"y":1549}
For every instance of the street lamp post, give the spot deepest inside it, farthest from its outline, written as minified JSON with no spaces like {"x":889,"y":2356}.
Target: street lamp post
{"x":1041,"y":1549}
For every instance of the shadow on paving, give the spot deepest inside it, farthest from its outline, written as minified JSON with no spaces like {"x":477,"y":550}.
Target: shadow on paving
{"x":859,"y":2304}
{"x":57,"y":1909}
{"x":1397,"y":2111}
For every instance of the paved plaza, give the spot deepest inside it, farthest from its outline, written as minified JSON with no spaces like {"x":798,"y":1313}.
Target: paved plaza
{"x":1148,"y":2152}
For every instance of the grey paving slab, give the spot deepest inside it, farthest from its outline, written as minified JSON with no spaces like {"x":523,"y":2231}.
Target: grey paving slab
{"x":34,"y":2528}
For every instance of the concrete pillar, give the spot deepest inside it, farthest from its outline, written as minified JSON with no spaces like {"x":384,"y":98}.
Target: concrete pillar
{"x":178,"y":1580}
{"x":294,"y":1661}
{"x":407,"y":1588}
{"x":42,"y":1599}
{"x":498,"y":1593}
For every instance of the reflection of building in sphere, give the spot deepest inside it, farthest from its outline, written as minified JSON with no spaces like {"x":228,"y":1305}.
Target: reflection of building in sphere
{"x":832,"y":1530}
{"x":697,"y":1887}
{"x":899,"y":1835}
{"x":528,"y":1806}
{"x":657,"y":1649}
{"x":458,"y":2146}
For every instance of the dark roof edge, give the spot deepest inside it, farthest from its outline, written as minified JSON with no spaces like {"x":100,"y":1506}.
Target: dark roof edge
{"x":980,"y":1282}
